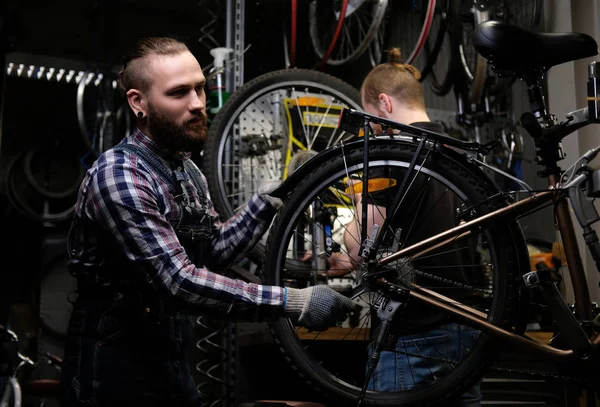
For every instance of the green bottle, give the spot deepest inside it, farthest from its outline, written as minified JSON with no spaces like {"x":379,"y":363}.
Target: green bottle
{"x":217,"y":95}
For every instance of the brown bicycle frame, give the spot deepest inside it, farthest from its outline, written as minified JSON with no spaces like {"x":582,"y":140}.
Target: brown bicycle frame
{"x":476,"y":318}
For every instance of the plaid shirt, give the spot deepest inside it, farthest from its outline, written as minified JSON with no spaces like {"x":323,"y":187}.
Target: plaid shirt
{"x":122,"y":195}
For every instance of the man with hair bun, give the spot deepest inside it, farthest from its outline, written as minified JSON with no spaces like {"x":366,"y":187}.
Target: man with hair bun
{"x":392,"y":91}
{"x":148,"y":249}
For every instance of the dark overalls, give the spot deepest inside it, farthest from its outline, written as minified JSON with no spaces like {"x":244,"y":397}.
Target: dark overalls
{"x":126,"y":344}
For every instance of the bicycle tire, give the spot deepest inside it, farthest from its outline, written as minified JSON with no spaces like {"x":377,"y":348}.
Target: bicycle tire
{"x":506,"y":245}
{"x":246,"y":98}
{"x":435,"y":38}
{"x":294,"y":31}
{"x":474,"y":66}
{"x":322,"y":42}
{"x":42,"y":189}
{"x":447,"y":51}
{"x":406,"y":27}
{"x":27,"y":205}
{"x":432,"y":40}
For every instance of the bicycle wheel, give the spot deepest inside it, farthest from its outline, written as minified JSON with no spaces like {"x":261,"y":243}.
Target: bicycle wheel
{"x":474,"y":66}
{"x":361,"y":22}
{"x":408,"y":26}
{"x":262,"y":126}
{"x":479,"y":271}
{"x":447,"y":33}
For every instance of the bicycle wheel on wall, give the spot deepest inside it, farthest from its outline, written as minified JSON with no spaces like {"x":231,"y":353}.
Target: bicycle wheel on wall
{"x":446,"y":30}
{"x":480,"y":271}
{"x":407,"y":26}
{"x":474,"y":66}
{"x":259,"y":130}
{"x":522,"y":13}
{"x":360,"y":26}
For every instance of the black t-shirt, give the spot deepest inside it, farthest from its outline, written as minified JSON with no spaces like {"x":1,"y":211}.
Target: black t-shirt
{"x":427,"y":209}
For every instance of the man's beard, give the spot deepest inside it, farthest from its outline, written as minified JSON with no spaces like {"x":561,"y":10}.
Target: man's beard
{"x":174,"y":137}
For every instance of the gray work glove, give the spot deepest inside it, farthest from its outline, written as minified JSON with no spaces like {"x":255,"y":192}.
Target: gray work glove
{"x":267,"y":188}
{"x":317,"y":308}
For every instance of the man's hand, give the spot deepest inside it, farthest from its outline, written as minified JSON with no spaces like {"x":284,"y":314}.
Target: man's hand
{"x":318,"y":307}
{"x":266,"y":189}
{"x":339,"y":263}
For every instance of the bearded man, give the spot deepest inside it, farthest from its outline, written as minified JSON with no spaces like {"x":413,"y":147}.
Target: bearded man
{"x":147,"y":249}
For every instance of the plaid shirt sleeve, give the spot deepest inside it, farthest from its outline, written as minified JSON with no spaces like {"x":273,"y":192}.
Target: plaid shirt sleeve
{"x":125,"y":198}
{"x":242,"y":231}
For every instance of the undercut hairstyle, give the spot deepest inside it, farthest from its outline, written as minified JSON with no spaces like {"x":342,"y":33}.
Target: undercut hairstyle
{"x":396,"y":79}
{"x":133,"y":73}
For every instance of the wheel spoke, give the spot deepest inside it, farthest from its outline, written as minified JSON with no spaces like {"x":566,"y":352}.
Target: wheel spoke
{"x":471,"y":271}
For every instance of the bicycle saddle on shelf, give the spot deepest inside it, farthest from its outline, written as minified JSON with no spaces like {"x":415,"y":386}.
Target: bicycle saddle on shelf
{"x":513,"y":50}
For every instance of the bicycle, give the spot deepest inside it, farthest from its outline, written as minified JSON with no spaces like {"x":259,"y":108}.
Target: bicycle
{"x":470,"y":269}
{"x":12,"y":362}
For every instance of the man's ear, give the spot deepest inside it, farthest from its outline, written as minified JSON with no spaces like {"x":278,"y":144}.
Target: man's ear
{"x":137,"y":101}
{"x":385,"y":103}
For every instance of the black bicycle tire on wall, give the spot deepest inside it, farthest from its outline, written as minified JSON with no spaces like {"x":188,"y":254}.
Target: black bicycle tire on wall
{"x":240,"y":99}
{"x":507,"y":240}
{"x":441,"y":86}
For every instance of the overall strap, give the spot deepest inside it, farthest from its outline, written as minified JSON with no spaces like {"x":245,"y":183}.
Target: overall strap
{"x":156,"y":164}
{"x":172,"y":178}
{"x":194,"y":174}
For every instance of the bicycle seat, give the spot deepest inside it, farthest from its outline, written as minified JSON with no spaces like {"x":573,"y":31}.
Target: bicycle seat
{"x":513,"y":50}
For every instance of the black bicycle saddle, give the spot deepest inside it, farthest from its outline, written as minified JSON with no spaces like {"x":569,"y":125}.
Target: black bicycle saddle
{"x":513,"y":50}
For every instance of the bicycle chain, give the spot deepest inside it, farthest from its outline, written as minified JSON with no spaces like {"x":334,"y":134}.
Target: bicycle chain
{"x":451,"y":282}
{"x":461,"y":285}
{"x":541,"y":375}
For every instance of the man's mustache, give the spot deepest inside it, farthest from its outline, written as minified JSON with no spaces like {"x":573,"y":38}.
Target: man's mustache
{"x":199,"y":118}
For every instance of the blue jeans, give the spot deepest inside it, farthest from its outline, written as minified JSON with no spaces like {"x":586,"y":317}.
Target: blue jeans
{"x":116,"y":355}
{"x":402,"y":369}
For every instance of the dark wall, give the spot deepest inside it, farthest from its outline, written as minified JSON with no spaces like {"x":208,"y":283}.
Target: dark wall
{"x":266,"y":23}
{"x":99,"y":32}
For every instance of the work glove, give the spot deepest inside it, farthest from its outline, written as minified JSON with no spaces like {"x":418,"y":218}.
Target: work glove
{"x":316,"y":308}
{"x":266,"y":188}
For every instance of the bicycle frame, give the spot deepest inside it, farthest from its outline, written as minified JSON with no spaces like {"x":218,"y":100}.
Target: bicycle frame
{"x":13,"y":389}
{"x":475,"y":317}
{"x":576,"y":337}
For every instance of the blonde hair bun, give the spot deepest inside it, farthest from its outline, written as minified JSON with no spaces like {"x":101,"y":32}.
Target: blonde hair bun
{"x":394,"y":56}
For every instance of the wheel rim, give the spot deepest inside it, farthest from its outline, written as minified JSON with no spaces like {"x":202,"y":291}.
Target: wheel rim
{"x":360,"y":27}
{"x":407,"y":28}
{"x":302,"y":341}
{"x":256,"y":116}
